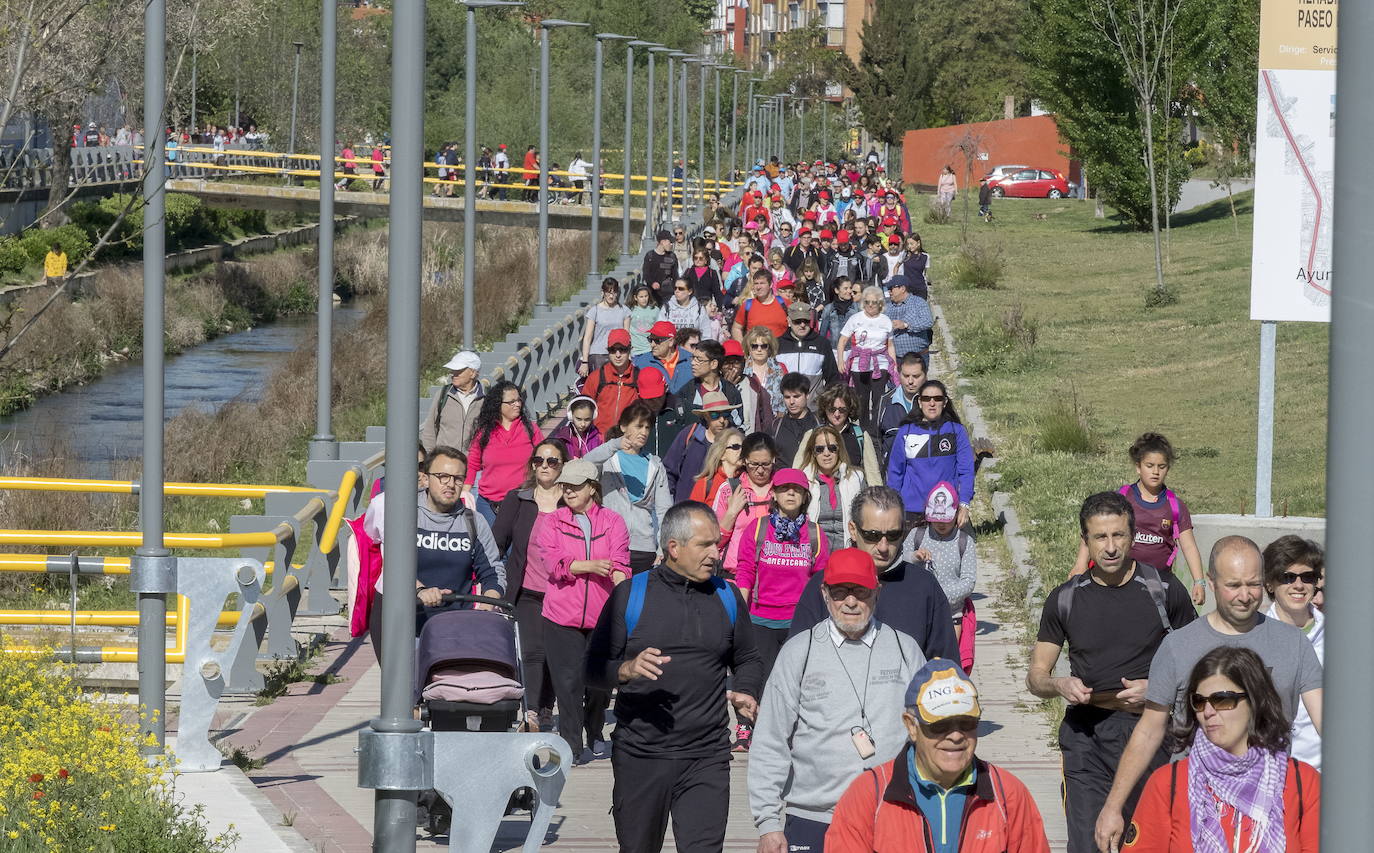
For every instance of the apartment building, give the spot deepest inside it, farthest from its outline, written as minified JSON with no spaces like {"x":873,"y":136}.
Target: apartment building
{"x":748,"y":28}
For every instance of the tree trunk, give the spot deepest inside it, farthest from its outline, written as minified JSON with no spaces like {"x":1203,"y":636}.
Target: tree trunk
{"x":1154,"y":195}
{"x":58,"y":189}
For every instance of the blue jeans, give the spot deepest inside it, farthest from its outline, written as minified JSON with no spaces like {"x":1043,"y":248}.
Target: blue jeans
{"x":486,"y":509}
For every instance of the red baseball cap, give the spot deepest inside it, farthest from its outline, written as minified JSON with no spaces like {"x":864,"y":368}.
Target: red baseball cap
{"x":809,"y":215}
{"x":734,"y":347}
{"x":661,"y":329}
{"x":827,"y":234}
{"x":618,"y":337}
{"x":894,"y":240}
{"x":843,"y":236}
{"x":889,"y":221}
{"x":502,"y":146}
{"x":651,"y":384}
{"x":851,"y":566}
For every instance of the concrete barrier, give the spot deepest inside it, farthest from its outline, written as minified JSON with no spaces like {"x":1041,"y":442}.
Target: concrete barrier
{"x":1207,"y":529}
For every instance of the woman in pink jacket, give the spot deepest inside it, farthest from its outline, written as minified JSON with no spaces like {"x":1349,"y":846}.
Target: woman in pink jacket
{"x":586,"y":551}
{"x":778,"y":554}
{"x":503,"y":440}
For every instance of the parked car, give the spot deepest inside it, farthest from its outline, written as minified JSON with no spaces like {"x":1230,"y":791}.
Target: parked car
{"x":1031,"y":183}
{"x":997,"y":173}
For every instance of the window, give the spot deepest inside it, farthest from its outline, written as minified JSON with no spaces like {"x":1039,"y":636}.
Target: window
{"x":1026,"y":175}
{"x":1046,"y":176}
{"x":834,"y":38}
{"x":834,"y":15}
{"x":793,"y":15}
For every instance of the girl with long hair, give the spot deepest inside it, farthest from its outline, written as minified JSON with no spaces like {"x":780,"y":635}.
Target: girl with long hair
{"x":502,"y":440}
{"x":723,"y":464}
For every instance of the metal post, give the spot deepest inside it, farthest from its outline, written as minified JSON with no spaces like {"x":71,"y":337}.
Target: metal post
{"x":1347,"y":749}
{"x":194,"y":126}
{"x":715,"y":131}
{"x":684,"y":59}
{"x":295,"y":89}
{"x":734,"y":125}
{"x":153,"y":572}
{"x":1264,"y":449}
{"x":801,"y":131}
{"x":625,"y":255}
{"x":825,"y":130}
{"x":542,"y":301}
{"x":650,"y":110}
{"x":393,"y":829}
{"x":701,"y":133}
{"x":668,"y":134}
{"x":322,"y":444}
{"x":469,"y":179}
{"x":595,"y":265}
{"x":782,"y":128}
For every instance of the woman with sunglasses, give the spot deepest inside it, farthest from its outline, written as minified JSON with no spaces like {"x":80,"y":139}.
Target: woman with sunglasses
{"x":585,"y":550}
{"x":1294,"y":569}
{"x":930,"y":446}
{"x":833,"y":481}
{"x":1238,"y":789}
{"x":723,"y":465}
{"x":760,"y":382}
{"x":503,"y":439}
{"x":702,"y":279}
{"x":634,"y":484}
{"x":836,"y":406}
{"x":746,"y":503}
{"x":870,"y":361}
{"x":777,"y":268}
{"x":526,"y":582}
{"x":778,"y":554}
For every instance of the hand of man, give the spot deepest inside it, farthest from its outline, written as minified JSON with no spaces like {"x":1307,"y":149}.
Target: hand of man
{"x":1134,"y":694}
{"x":1108,"y":831}
{"x":772,"y":842}
{"x":1074,"y":691}
{"x":432,"y":596}
{"x":745,"y":705}
{"x":646,"y":664}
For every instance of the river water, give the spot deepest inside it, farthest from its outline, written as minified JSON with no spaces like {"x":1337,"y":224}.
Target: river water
{"x":101,"y":422}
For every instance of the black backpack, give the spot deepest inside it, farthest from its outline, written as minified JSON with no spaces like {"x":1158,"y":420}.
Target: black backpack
{"x":1145,"y":575}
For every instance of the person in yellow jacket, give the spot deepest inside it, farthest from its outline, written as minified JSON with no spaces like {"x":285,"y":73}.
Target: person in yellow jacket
{"x":55,"y":264}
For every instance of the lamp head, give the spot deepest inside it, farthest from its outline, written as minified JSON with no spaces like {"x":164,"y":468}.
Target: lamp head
{"x":639,"y":43}
{"x":555,"y":23}
{"x":612,"y":37}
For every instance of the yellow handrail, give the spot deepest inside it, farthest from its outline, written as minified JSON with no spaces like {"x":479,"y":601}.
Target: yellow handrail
{"x":329,"y":536}
{"x":134,"y":538}
{"x":128,"y":487}
{"x":111,"y":566}
{"x":102,"y":618}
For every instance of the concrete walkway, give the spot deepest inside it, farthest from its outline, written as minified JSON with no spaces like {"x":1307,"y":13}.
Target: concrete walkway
{"x":1197,"y":192}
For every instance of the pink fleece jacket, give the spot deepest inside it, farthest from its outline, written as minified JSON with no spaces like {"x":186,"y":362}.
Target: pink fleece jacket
{"x":503,"y":462}
{"x":774,"y":578}
{"x":575,"y":601}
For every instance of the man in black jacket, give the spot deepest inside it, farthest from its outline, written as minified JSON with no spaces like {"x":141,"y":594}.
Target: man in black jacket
{"x":803,"y":350}
{"x":912,"y":601}
{"x":660,"y":268}
{"x":668,"y":658}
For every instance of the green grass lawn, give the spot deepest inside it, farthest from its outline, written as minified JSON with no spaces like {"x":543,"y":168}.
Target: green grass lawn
{"x":1066,"y":340}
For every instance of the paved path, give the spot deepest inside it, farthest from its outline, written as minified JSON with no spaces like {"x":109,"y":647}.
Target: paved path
{"x":1197,"y":192}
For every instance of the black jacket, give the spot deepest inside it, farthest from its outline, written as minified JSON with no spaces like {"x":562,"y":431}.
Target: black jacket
{"x":707,"y":288}
{"x":683,"y":713}
{"x":812,"y":355}
{"x":515,"y":518}
{"x":788,"y":433}
{"x":659,"y":272}
{"x":910,"y":599}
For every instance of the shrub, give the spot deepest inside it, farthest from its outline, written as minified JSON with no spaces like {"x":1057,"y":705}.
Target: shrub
{"x":72,"y":777}
{"x":13,"y":258}
{"x":72,"y":239}
{"x":1065,"y":428}
{"x":978,"y":265}
{"x":936,"y":213}
{"x":1006,"y":347}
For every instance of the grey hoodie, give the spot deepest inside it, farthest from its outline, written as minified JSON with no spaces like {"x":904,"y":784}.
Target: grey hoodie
{"x":642,"y":517}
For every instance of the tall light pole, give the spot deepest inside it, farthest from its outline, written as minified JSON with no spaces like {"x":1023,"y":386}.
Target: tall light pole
{"x":782,"y":128}
{"x":322,"y":444}
{"x":668,"y":135}
{"x":295,"y":88}
{"x":595,"y":254}
{"x":469,"y":164}
{"x":702,"y":65}
{"x":825,"y":129}
{"x":715,"y":130}
{"x":625,"y":255}
{"x":651,"y":109}
{"x":801,"y":132}
{"x":542,"y":298}
{"x":681,"y":83}
{"x":734,"y":124}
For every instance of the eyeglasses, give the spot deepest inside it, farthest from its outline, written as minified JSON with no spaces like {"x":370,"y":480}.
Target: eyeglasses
{"x":701,"y":359}
{"x":931,"y":398}
{"x":1309,"y":577}
{"x":840,"y":593}
{"x":873,"y":536}
{"x":514,"y":402}
{"x":967,"y":725}
{"x":758,"y":346}
{"x":1222,"y":700}
{"x":546,"y":462}
{"x":680,"y":233}
{"x":444,"y":479}
{"x":825,"y":448}
{"x":616,"y":349}
{"x":758,"y":466}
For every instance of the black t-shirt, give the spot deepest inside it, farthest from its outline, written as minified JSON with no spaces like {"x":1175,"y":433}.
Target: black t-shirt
{"x":1113,"y":631}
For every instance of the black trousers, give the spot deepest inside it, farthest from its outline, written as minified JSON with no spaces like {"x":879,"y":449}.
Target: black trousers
{"x":581,"y":709}
{"x":695,"y":792}
{"x":870,"y":392}
{"x":641,"y":561}
{"x":804,"y":836}
{"x":1091,"y":741}
{"x":529,"y":617}
{"x":769,"y":642}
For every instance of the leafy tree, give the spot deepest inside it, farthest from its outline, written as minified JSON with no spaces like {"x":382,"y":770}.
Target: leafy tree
{"x":972,"y":51}
{"x":1224,"y":85}
{"x":890,"y":72}
{"x":805,"y":66}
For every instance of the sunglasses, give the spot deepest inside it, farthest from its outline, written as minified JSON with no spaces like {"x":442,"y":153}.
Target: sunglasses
{"x":658,"y":340}
{"x":1310,"y":578}
{"x":1223,"y":700}
{"x":825,"y":448}
{"x":840,"y":593}
{"x":735,"y":446}
{"x":681,"y":289}
{"x":931,"y":398}
{"x":616,"y":349}
{"x":967,"y":725}
{"x":802,"y":321}
{"x":873,"y":536}
{"x":546,"y":462}
{"x":840,"y":410}
{"x":715,"y":415}
{"x":758,"y":346}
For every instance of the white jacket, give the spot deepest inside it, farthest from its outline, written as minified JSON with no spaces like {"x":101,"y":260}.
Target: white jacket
{"x":644,"y":516}
{"x":1307,"y":744}
{"x":850,"y":482}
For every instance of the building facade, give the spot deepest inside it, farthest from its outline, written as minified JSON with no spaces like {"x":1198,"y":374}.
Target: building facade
{"x":747,"y":29}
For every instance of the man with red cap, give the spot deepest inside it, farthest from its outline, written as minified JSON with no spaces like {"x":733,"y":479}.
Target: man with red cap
{"x":810,"y":743}
{"x":614,"y":385}
{"x":805,"y":248}
{"x":665,"y":356}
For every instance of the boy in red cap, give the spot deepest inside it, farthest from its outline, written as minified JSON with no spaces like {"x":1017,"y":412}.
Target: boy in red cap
{"x":616,"y":384}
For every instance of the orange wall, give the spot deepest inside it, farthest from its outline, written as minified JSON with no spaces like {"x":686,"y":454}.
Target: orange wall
{"x":1032,"y":140}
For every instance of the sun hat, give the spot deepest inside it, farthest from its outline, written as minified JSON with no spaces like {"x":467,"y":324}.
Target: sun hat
{"x":850,"y":566}
{"x":463,"y":360}
{"x":576,"y":472}
{"x":942,"y":504}
{"x":940,"y":690}
{"x":715,"y":401}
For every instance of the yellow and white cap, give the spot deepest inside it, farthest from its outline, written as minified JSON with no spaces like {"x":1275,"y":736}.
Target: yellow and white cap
{"x":940,"y":690}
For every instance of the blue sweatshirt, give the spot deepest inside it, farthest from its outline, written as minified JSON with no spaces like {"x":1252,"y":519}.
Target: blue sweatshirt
{"x":923,"y":455}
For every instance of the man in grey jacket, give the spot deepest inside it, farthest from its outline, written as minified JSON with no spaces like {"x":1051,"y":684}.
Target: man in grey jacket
{"x":830,"y":710}
{"x":453,"y":411}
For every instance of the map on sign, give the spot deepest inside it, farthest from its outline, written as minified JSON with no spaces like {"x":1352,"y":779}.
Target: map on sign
{"x":1294,"y":161}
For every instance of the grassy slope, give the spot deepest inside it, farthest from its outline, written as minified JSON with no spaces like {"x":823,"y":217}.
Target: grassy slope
{"x":1187,"y":370}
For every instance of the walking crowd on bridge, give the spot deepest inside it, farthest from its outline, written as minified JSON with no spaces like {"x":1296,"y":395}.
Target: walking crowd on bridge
{"x":753,"y":532}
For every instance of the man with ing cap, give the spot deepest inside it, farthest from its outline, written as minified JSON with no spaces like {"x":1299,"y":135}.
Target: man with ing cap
{"x":453,"y":411}
{"x":826,"y":717}
{"x":937,"y":796}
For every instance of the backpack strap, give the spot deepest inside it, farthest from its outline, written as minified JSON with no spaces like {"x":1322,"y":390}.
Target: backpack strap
{"x":439,"y":412}
{"x":1173,"y":784}
{"x":815,"y":542}
{"x":1148,"y":576}
{"x":964,"y":539}
{"x":1065,"y":600}
{"x":639,"y":584}
{"x":1297,"y":780}
{"x":724,"y":593}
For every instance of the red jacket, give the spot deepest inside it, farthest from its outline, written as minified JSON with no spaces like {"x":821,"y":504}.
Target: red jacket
{"x":613,"y":391}
{"x":999,"y":816}
{"x":1161,"y":820}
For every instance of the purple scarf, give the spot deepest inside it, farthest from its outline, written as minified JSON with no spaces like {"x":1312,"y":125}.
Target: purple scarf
{"x":787,"y":529}
{"x":1251,"y":784}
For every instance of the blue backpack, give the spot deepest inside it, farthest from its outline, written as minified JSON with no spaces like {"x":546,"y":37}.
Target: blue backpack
{"x":639,"y":585}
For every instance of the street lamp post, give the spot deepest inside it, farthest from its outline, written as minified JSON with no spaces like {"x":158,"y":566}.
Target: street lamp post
{"x":734,"y":124}
{"x":801,"y":132}
{"x":649,"y":107}
{"x":715,"y":131}
{"x":825,"y":130}
{"x":625,"y":255}
{"x":542,"y":298}
{"x":322,"y":444}
{"x":682,"y":60}
{"x":668,"y":135}
{"x":601,"y":39}
{"x":702,"y":66}
{"x":295,"y":87}
{"x":469,"y":165}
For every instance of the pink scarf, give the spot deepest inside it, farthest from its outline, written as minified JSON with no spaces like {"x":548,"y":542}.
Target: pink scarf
{"x":830,"y":482}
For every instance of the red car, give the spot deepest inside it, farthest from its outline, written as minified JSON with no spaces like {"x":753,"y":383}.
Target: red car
{"x":1031,"y":183}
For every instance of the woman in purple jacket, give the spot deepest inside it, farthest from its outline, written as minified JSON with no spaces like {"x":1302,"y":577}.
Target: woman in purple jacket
{"x":930,"y":446}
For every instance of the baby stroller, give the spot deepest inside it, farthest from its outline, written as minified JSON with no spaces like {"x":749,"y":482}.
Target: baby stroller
{"x":469,"y":679}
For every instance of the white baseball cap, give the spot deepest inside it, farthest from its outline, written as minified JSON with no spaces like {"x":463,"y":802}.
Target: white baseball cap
{"x":462,"y":360}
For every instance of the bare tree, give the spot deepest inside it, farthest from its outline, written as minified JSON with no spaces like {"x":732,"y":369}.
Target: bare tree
{"x":1142,"y":33}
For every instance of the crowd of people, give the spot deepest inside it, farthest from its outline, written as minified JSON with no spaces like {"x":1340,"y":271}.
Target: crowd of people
{"x":751,"y":532}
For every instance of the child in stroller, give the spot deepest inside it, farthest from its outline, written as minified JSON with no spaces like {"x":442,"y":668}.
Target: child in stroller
{"x":469,"y":679}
